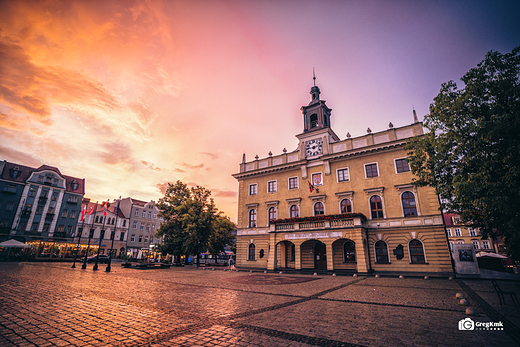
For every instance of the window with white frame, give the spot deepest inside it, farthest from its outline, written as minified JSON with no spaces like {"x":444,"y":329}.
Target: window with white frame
{"x":448,"y":231}
{"x":343,"y":175}
{"x":371,"y":170}
{"x":460,"y":242}
{"x":252,"y":218}
{"x":376,"y":207}
{"x":401,"y":165}
{"x":253,"y":189}
{"x":472,"y":232}
{"x":485,"y":244}
{"x":134,"y":226}
{"x":132,"y":238}
{"x":294,"y":211}
{"x":475,"y":244}
{"x":293,"y":183}
{"x":458,"y":232}
{"x":271,"y":186}
{"x":409,"y":208}
{"x":272,"y":214}
{"x":319,"y":208}
{"x":345,"y":206}
{"x":137,"y":212}
{"x":142,"y":226}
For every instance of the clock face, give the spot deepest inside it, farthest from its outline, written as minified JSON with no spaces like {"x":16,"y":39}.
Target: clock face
{"x":313,"y":147}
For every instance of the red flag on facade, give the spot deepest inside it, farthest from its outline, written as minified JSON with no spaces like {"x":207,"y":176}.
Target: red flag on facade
{"x":105,"y":208}
{"x":92,"y":209}
{"x":311,"y":187}
{"x":83,"y":212}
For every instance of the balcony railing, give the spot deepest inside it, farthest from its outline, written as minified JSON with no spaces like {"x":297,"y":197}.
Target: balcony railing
{"x":317,"y":225}
{"x":42,"y":200}
{"x":49,"y":216}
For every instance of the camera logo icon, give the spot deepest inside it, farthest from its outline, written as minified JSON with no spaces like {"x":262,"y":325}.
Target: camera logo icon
{"x":466,"y":324}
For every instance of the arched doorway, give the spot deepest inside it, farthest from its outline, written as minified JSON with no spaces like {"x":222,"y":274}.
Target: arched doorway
{"x":286,"y":255}
{"x":320,"y":256}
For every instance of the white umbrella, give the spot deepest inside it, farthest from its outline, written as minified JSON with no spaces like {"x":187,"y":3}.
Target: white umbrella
{"x":490,"y":255}
{"x":139,"y":255}
{"x":13,"y":244}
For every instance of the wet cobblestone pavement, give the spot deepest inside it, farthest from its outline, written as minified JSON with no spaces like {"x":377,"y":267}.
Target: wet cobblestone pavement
{"x":50,"y":304}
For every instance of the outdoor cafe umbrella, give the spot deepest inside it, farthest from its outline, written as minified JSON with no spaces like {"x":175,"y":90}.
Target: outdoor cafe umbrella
{"x":490,"y":255}
{"x":12,"y":243}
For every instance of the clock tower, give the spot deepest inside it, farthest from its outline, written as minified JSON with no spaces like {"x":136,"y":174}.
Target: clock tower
{"x":317,"y":133}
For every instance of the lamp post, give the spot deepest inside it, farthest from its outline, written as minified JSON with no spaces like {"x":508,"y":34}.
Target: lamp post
{"x":77,"y":247}
{"x":108,"y":268}
{"x":105,"y":207}
{"x":90,"y":233}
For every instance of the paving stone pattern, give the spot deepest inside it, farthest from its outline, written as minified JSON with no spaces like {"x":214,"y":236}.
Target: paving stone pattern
{"x":50,"y":304}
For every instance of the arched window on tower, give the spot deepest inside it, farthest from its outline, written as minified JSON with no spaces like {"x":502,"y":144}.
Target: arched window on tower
{"x":314,"y":120}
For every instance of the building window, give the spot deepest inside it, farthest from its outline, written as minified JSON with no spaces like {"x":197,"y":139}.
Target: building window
{"x":73,"y":199}
{"x":416,"y":252}
{"x":345,"y":206}
{"x":381,"y":252}
{"x":460,"y":242}
{"x":142,"y":227}
{"x":32,"y":192}
{"x":73,"y":214}
{"x":60,"y":228}
{"x":122,"y":236}
{"x":9,"y":206}
{"x":293,"y":183}
{"x":371,"y":170}
{"x":472,"y":232}
{"x":319,"y":208}
{"x":150,"y":215}
{"x":146,"y":239}
{"x":34,"y":227}
{"x":147,"y":226}
{"x":451,"y":245}
{"x":132,"y":238}
{"x":39,"y":210}
{"x":54,"y":196}
{"x":401,"y":165}
{"x":144,"y":214}
{"x":485,"y":244}
{"x":343,"y":175}
{"x":251,"y":252}
{"x":408,"y":200}
{"x":448,"y":231}
{"x":272,"y":214}
{"x":64,"y":213}
{"x":349,"y":251}
{"x":134,"y":226}
{"x":140,"y":238}
{"x":376,"y":207}
{"x":475,"y":244}
{"x":10,"y":188}
{"x":253,"y":189}
{"x":69,"y":229}
{"x":294,"y":211}
{"x":252,"y":218}
{"x":271,"y":186}
{"x":124,"y":222}
{"x":458,"y":232}
{"x":46,"y":227}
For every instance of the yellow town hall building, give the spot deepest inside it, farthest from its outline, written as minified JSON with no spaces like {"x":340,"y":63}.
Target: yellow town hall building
{"x":337,"y":204}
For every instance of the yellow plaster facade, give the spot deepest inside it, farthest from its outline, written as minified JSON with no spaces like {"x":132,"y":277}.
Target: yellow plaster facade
{"x":386,"y":223}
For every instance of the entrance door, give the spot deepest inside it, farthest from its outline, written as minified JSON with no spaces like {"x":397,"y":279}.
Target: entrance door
{"x":320,"y":256}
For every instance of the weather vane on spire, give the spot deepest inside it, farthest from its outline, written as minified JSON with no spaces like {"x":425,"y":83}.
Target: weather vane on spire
{"x":314,"y":76}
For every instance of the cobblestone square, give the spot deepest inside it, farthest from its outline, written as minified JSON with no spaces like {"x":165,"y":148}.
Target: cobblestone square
{"x":51,"y":304}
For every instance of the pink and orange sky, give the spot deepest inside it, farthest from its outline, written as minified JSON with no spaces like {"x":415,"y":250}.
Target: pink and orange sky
{"x":131,"y":95}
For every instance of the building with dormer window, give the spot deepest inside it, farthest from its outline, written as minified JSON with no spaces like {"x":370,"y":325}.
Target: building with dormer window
{"x":339,"y":204}
{"x":38,"y":204}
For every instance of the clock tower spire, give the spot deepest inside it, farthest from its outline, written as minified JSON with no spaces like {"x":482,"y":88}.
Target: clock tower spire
{"x":317,"y":133}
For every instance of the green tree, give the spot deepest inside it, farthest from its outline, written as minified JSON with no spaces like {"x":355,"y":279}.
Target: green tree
{"x":190,"y":220}
{"x":223,"y":234}
{"x":471,"y":155}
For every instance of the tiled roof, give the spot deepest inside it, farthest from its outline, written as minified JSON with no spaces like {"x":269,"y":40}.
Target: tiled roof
{"x":26,"y":171}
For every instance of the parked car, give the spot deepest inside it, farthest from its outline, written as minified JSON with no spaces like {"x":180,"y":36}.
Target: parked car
{"x":103,"y":258}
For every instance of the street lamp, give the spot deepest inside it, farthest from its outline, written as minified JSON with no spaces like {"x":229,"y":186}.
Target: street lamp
{"x":108,"y":268}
